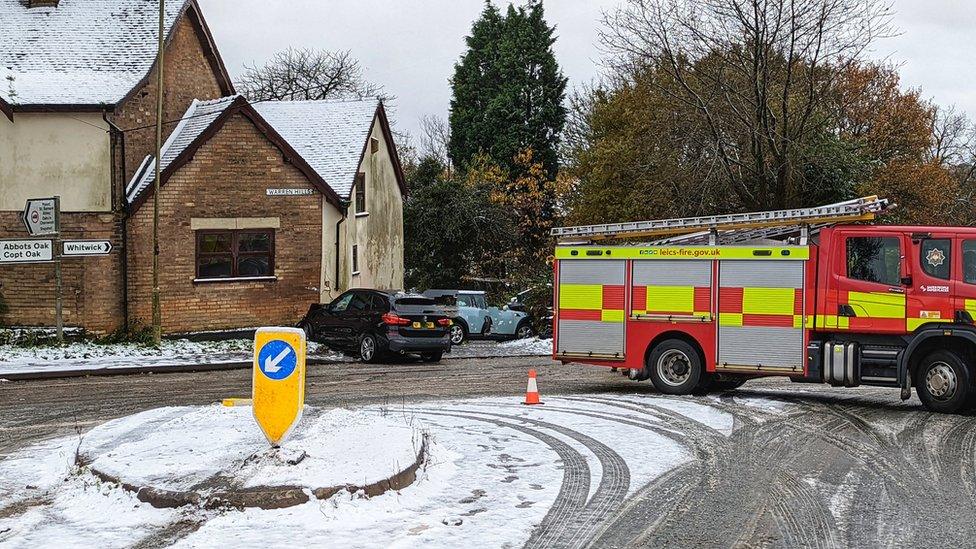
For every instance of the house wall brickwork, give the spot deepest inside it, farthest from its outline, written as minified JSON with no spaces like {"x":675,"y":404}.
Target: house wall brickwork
{"x":188,"y":75}
{"x":91,"y":287}
{"x":228,"y":177}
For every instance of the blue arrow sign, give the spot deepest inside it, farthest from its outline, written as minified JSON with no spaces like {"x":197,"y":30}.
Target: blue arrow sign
{"x":277,"y":359}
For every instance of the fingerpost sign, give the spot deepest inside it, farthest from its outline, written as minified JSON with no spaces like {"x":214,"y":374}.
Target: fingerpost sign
{"x":278,"y":381}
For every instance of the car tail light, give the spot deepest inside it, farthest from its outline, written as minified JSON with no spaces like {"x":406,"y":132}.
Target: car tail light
{"x":445,"y":322}
{"x":395,"y":320}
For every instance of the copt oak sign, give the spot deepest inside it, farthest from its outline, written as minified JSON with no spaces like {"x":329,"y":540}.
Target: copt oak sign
{"x":26,"y":251}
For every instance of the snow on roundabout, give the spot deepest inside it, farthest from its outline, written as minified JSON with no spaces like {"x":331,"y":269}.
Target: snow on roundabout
{"x":495,"y":473}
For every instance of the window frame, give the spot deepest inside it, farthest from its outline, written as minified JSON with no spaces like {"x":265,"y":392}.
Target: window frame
{"x":847,"y":258}
{"x":355,"y":259}
{"x":359,"y":192}
{"x":235,"y":254}
{"x":962,"y":258}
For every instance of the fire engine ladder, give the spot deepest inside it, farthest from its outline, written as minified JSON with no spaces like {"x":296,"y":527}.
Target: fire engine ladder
{"x":731,"y":228}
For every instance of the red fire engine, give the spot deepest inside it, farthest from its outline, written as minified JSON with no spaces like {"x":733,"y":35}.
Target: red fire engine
{"x":711,"y":302}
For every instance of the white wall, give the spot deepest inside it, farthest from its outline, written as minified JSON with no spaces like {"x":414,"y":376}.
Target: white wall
{"x":48,"y":154}
{"x":379,"y":235}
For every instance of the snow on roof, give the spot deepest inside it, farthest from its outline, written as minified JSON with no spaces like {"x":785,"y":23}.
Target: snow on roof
{"x":197,"y":119}
{"x":330,"y":135}
{"x":83,"y":52}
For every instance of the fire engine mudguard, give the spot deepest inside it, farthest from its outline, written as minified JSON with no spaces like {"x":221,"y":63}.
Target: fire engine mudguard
{"x":929,"y":337}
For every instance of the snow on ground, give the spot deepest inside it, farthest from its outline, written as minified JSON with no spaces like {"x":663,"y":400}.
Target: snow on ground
{"x":203,"y":442}
{"x":532,"y":346}
{"x":490,"y":479}
{"x":89,"y":356}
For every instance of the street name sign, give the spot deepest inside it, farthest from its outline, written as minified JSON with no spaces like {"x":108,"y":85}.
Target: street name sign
{"x":278,"y":381}
{"x":26,"y":251}
{"x":86,"y":247}
{"x":290,"y":192}
{"x":41,"y":216}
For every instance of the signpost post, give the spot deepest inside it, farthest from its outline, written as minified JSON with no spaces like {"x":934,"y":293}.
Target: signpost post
{"x":42,"y":217}
{"x":278,"y":381}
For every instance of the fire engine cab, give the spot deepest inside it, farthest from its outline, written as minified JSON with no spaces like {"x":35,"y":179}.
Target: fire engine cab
{"x":708,"y":303}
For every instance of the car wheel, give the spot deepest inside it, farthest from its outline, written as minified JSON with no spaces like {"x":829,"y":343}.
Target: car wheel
{"x":369,"y":351}
{"x":524,"y":330}
{"x":943,"y":382}
{"x":458,"y":333}
{"x":675,"y":367}
{"x":432,"y":357}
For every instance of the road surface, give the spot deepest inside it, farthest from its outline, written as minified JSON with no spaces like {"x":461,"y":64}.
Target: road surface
{"x":827,"y":468}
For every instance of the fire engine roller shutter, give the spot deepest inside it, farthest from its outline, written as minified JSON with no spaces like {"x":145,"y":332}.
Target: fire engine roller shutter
{"x":761,"y":314}
{"x":672,"y":287}
{"x":591,"y":307}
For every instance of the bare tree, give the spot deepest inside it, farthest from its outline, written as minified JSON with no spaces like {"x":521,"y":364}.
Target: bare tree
{"x":434,"y":139}
{"x":756,"y":75}
{"x":953,"y":138}
{"x":304,"y":74}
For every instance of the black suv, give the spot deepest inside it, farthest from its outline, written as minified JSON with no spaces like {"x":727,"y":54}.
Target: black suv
{"x":369,"y":324}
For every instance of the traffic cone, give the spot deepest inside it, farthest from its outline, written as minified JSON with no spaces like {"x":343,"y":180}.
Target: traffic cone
{"x":532,"y":391}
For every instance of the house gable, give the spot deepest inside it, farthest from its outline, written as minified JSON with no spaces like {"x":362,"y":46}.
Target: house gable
{"x":223,"y":186}
{"x":193,"y":71}
{"x":141,"y":187}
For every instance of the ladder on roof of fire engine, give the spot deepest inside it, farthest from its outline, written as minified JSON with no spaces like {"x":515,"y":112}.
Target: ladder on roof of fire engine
{"x":730,"y":227}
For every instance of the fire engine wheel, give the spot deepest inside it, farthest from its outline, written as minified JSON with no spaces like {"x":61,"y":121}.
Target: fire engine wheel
{"x":943,"y":382}
{"x":675,"y":367}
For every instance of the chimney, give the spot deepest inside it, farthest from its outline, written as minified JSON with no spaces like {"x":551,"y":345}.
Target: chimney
{"x":42,"y":3}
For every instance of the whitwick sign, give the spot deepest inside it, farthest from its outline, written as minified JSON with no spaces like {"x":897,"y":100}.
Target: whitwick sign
{"x":86,"y":247}
{"x":290,"y":192}
{"x":26,"y":251}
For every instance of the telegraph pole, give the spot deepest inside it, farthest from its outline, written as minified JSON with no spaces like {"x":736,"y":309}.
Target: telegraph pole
{"x":157,"y":319}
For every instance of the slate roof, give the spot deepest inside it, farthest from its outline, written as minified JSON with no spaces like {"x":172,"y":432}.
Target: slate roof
{"x":197,"y":119}
{"x":330,"y":135}
{"x":83,"y":52}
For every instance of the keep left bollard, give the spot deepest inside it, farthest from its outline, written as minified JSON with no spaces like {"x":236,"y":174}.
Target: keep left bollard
{"x":278,"y":381}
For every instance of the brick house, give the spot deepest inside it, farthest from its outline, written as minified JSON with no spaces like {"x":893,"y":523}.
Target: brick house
{"x":265,"y":208}
{"x":77,"y":92}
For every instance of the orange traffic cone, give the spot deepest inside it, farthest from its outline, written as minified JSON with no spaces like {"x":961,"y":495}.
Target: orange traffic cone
{"x":532,"y":391}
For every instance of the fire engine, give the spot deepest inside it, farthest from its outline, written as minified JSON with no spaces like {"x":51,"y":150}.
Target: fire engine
{"x":815,"y":294}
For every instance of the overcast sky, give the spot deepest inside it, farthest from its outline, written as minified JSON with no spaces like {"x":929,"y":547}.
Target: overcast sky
{"x":410,"y":46}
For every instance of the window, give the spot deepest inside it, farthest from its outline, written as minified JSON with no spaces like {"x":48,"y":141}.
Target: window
{"x":969,"y":261}
{"x":874,"y":259}
{"x":464,"y":300}
{"x":355,"y":259}
{"x":341,"y":303}
{"x":360,"y":193}
{"x":360,"y":302}
{"x":936,"y":257}
{"x":374,"y":145}
{"x":235,"y":254}
{"x":479,"y":302}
